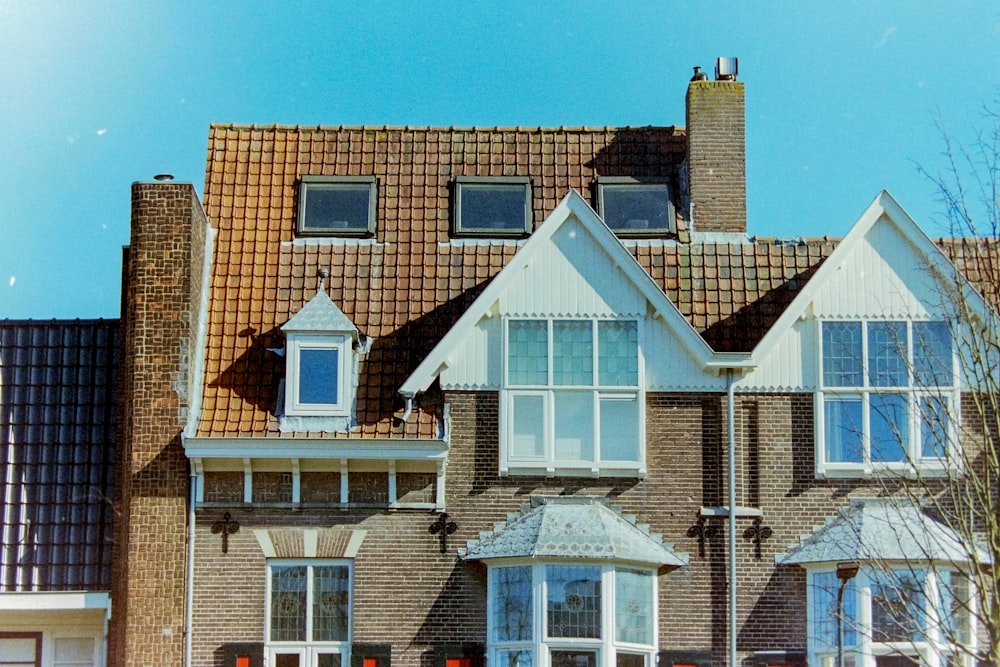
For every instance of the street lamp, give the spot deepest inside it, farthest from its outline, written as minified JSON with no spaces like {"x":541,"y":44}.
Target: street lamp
{"x":846,"y":570}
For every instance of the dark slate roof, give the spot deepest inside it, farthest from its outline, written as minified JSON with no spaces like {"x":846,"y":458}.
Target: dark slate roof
{"x":57,"y":454}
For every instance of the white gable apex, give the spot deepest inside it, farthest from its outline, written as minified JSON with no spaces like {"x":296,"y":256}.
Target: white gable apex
{"x":572,"y":266}
{"x":886,"y":267}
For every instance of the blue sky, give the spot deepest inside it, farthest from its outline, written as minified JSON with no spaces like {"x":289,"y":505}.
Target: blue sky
{"x":842,"y":100}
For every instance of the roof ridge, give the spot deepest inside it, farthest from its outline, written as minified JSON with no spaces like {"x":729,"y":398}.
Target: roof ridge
{"x":447,"y":128}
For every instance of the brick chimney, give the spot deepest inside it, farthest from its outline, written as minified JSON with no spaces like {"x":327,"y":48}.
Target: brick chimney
{"x":716,"y":136}
{"x":162,"y":276}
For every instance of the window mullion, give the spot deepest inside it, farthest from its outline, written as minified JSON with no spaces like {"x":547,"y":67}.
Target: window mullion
{"x":866,"y":451}
{"x":309,"y":603}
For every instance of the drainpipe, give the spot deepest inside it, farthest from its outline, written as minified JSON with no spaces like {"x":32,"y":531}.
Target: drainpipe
{"x":730,"y":423}
{"x":189,"y":603}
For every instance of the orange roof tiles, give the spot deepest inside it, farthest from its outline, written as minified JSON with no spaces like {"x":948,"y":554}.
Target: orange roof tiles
{"x":410,"y":285}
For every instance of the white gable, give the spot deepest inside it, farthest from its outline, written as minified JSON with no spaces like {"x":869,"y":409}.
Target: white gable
{"x":883,"y":269}
{"x":573,"y":266}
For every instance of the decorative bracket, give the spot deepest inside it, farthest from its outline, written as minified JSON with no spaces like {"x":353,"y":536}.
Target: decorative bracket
{"x":757,"y":532}
{"x":443,"y":528}
{"x":702,"y":531}
{"x":227,"y":527}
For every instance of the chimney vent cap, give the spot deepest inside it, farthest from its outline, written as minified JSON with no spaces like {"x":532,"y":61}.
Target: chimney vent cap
{"x":699,"y":75}
{"x":727,"y":69}
{"x":163,"y":177}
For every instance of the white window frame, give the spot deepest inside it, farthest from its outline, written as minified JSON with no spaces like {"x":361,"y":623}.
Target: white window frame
{"x":485,"y":183}
{"x":931,"y":651}
{"x":341,"y":343}
{"x":606,"y":183}
{"x":334,"y":183}
{"x":308,"y":650}
{"x":913,"y":459}
{"x":607,"y":646}
{"x":547,"y":463}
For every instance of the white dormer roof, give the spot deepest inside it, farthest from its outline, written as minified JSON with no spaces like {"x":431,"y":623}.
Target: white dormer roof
{"x":320,"y":315}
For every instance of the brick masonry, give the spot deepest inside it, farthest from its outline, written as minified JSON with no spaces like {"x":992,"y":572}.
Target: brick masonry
{"x":408,"y":594}
{"x":716,"y":134}
{"x":160,"y":321}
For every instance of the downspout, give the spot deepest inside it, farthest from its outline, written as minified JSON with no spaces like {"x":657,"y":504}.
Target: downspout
{"x":730,"y":427}
{"x":189,"y":603}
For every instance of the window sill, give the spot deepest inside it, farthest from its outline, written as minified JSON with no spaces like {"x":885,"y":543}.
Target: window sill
{"x":542,"y":470}
{"x":901,"y":471}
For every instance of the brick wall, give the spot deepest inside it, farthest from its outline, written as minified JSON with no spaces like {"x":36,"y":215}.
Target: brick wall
{"x":717,"y":164}
{"x":408,"y":594}
{"x":160,"y":300}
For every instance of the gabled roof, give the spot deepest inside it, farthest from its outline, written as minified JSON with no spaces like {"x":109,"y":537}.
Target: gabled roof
{"x":883,"y":529}
{"x":572,"y":527}
{"x":884,"y":209}
{"x":573,"y":206}
{"x":57,"y":454}
{"x":408,"y":286}
{"x":320,"y":315}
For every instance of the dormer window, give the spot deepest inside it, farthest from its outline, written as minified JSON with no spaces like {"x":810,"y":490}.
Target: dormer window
{"x":317,"y":365}
{"x":337,"y":205}
{"x":635,"y":207}
{"x":321,"y":361}
{"x":499,"y":206}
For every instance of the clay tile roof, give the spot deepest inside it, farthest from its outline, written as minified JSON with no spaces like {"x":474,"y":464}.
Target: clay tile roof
{"x":405,"y":287}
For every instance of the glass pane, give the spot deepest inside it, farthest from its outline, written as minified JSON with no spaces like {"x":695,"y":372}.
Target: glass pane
{"x":514,"y":658}
{"x":636,"y":207}
{"x":318,"y":371}
{"x":328,"y":660}
{"x":933,"y":364}
{"x":619,"y":429}
{"x":954,"y":607}
{"x":574,"y":601}
{"x":511,"y":605}
{"x":842,"y":430}
{"x":287,"y":660}
{"x":934,"y":416}
{"x":617,"y":354}
{"x":574,"y":425}
{"x":527,"y":352}
{"x":75,"y":651}
{"x":527,"y":438}
{"x":17,"y":650}
{"x":569,"y":658}
{"x":492,"y":206}
{"x":633,"y":607}
{"x":331,"y":603}
{"x":340,"y":206}
{"x":288,"y":604}
{"x":572,"y":353}
{"x":824,"y":613}
{"x":898,"y":606}
{"x":887,"y":354}
{"x":630,"y":660}
{"x":889,"y":428}
{"x":842,"y":365}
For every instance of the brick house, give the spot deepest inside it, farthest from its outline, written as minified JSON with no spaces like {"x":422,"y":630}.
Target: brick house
{"x":529,"y":396}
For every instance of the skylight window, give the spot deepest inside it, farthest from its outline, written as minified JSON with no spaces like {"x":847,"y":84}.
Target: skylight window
{"x":492,"y":206}
{"x":337,"y":205}
{"x":635,"y":208}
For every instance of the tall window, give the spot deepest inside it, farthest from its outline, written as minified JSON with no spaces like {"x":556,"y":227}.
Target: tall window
{"x":892,"y":616}
{"x":319,"y":370}
{"x":309,"y":614}
{"x":568,"y":620}
{"x":887,"y":395}
{"x":572,"y":396}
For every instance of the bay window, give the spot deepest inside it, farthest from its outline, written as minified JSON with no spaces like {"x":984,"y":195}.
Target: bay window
{"x":572,"y":398}
{"x":572,"y":615}
{"x":309,"y":614}
{"x":892,"y":616}
{"x":887,"y":395}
